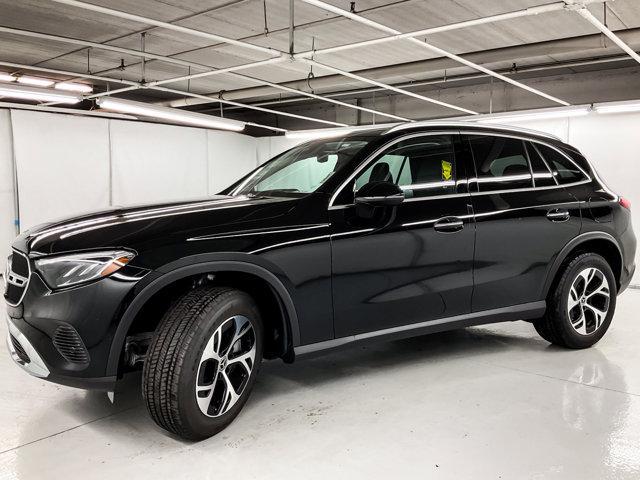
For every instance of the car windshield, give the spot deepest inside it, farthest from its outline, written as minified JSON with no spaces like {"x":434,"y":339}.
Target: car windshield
{"x":302,"y":169}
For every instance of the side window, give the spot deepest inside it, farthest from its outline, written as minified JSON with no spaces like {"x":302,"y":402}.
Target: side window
{"x":542,"y":176}
{"x":563,"y":169}
{"x":422,"y":167}
{"x":501,"y":163}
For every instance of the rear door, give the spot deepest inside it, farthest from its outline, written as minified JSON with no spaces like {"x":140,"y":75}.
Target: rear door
{"x":523,"y":219}
{"x":409,"y":263}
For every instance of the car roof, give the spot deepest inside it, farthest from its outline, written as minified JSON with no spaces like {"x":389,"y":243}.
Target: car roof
{"x":469,"y":125}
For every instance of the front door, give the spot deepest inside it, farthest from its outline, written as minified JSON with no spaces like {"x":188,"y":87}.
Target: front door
{"x":408,"y":263}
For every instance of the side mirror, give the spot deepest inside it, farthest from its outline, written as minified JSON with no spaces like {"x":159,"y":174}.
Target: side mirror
{"x":379,"y":194}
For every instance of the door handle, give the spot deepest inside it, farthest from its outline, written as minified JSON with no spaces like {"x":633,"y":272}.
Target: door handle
{"x":558,"y":215}
{"x":448,"y":225}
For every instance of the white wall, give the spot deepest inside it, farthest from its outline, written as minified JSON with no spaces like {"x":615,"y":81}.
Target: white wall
{"x":269,"y":147}
{"x":230,"y":156}
{"x":62,"y":163}
{"x":157,"y":163}
{"x":69,"y":164}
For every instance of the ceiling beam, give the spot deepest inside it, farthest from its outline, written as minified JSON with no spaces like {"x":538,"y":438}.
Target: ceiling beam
{"x":135,"y":85}
{"x":378,"y":26}
{"x":208,"y":70}
{"x":267,"y":110}
{"x":525,"y":12}
{"x":99,"y":46}
{"x":586,"y":14}
{"x":387,"y":87}
{"x":452,"y":79}
{"x":166,"y":25}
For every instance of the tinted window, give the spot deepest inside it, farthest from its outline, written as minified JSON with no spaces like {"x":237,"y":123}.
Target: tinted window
{"x":421,"y":166}
{"x":542,"y":176}
{"x":563,"y":169}
{"x":501,"y":163}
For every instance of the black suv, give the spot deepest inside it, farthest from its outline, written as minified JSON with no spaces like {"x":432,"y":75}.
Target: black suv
{"x":379,"y":233}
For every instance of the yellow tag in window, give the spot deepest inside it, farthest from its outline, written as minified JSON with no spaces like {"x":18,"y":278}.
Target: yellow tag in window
{"x":446,"y":170}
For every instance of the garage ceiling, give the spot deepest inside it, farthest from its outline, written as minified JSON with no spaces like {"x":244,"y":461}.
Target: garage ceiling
{"x":266,"y":23}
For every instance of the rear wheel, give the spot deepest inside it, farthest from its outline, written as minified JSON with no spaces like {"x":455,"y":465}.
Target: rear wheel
{"x":203,"y":362}
{"x":580,"y":308}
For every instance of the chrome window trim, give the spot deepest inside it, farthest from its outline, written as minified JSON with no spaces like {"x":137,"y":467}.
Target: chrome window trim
{"x":367,"y":161}
{"x":564,"y":155}
{"x":371,"y":157}
{"x":534,"y":141}
{"x":544,"y":161}
{"x":26,"y":285}
{"x":528,"y":189}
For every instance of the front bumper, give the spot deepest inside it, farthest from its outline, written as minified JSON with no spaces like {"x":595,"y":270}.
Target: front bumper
{"x":23,"y":353}
{"x":27,"y":356}
{"x":65,"y":336}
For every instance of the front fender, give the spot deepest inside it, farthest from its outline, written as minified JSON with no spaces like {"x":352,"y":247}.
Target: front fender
{"x":205,"y":263}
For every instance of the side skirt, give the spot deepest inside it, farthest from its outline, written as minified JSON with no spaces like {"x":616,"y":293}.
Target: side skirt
{"x":525,"y":311}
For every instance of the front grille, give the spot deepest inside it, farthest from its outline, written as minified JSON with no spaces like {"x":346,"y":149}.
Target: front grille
{"x":70,"y":345}
{"x":22,"y":355}
{"x":16,"y":278}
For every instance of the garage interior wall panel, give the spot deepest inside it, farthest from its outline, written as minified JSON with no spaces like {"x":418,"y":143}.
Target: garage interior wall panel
{"x":62,"y":165}
{"x":269,"y":147}
{"x":157,"y":163}
{"x":7,"y":214}
{"x":231,"y":156}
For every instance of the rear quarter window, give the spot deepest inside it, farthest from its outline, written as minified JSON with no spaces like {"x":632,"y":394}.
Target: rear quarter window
{"x":564,"y":170}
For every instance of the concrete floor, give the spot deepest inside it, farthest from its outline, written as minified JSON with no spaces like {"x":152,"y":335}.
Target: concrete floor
{"x":490,"y":402}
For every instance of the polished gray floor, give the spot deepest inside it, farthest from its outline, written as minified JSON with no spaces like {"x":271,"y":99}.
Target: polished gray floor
{"x":491,"y":402}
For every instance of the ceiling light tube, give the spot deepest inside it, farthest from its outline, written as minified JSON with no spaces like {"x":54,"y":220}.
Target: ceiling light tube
{"x":5,"y":77}
{"x":543,"y":115}
{"x":618,"y":107}
{"x":170,"y":114}
{"x":74,"y":87}
{"x":35,"y":81}
{"x":37,"y":94}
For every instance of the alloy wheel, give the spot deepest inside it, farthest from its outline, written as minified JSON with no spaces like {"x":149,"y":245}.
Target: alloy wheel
{"x":225,"y":366}
{"x":588,"y":302}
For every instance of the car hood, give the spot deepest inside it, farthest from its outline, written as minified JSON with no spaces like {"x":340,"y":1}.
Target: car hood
{"x":149,"y":226}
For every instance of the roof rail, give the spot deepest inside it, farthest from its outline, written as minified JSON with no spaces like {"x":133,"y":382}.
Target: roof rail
{"x":471,"y":124}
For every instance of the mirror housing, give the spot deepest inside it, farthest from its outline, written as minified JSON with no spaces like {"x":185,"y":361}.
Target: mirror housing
{"x":379,"y":194}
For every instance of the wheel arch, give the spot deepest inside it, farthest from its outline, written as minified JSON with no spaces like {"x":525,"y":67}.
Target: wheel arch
{"x":601,"y":243}
{"x":173,"y":272}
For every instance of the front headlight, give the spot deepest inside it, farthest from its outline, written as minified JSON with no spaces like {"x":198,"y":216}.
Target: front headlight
{"x":69,"y":270}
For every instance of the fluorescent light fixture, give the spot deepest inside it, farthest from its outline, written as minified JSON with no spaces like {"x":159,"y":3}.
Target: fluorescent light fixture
{"x":317,"y":134}
{"x":5,"y":77}
{"x":37,"y":94}
{"x":542,"y":115}
{"x":74,"y":87}
{"x":169,"y":113}
{"x":618,"y":107}
{"x":35,"y":81}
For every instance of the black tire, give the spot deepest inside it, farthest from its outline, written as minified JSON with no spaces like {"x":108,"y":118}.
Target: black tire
{"x":173,"y":360}
{"x":555,"y":326}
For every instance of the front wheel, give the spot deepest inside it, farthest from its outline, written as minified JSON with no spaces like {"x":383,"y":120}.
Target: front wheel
{"x":581,"y":307}
{"x":203,"y":361}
